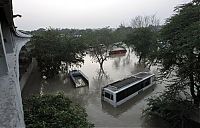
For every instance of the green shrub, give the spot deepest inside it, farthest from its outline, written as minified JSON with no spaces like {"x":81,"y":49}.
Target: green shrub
{"x":174,"y":109}
{"x":54,"y":111}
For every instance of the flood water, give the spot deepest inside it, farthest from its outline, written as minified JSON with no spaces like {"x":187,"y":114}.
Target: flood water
{"x":100,"y":113}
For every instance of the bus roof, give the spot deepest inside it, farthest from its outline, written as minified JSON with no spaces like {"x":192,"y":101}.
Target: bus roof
{"x":142,"y":74}
{"x":115,"y":86}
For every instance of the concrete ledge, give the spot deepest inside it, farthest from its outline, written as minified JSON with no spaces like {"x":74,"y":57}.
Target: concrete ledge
{"x":11,"y":111}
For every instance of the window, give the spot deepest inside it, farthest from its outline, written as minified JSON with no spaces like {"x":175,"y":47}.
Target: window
{"x":108,"y":95}
{"x":129,"y":91}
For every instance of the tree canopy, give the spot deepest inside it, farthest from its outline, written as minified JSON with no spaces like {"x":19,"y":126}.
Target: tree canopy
{"x":54,"y":111}
{"x":179,"y":57}
{"x":51,"y":48}
{"x":99,"y":40}
{"x":180,"y":48}
{"x":143,"y":37}
{"x":143,"y":41}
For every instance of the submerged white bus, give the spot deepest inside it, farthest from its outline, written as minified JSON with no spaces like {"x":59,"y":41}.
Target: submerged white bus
{"x":120,"y":91}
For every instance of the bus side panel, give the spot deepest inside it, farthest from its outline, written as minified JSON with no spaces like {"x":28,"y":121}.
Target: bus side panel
{"x":126,"y":99}
{"x":152,"y":82}
{"x":143,"y":87}
{"x":110,"y":101}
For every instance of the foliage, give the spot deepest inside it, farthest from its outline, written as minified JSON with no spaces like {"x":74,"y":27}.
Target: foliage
{"x":120,"y":34}
{"x":54,"y":111}
{"x":144,"y":43}
{"x":179,"y":55}
{"x":51,"y":48}
{"x":100,"y":54}
{"x":98,"y":36}
{"x":174,"y":108}
{"x":72,"y":42}
{"x":143,"y":38}
{"x":100,"y":41}
{"x":180,"y":48}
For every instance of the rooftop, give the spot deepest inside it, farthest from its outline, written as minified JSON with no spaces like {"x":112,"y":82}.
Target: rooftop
{"x":142,"y":74}
{"x":127,"y":81}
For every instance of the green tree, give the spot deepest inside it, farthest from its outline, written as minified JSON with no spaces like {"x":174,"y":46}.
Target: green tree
{"x":54,"y":111}
{"x":51,"y":48}
{"x":100,"y":41}
{"x":144,"y":42}
{"x":120,"y":34}
{"x":171,"y":107}
{"x":179,"y":55}
{"x":180,"y":47}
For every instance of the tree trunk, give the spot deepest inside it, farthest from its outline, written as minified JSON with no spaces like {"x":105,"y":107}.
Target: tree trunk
{"x":140,"y":59}
{"x":194,"y":96}
{"x":101,"y":65}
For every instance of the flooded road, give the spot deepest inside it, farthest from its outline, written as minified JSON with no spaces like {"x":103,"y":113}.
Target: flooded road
{"x":100,"y":113}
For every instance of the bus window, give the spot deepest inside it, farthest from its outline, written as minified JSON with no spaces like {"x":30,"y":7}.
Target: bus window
{"x":108,"y":95}
{"x":129,"y":91}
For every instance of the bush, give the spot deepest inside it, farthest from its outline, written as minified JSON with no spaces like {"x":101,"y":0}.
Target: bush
{"x":175,"y":110}
{"x":54,"y":111}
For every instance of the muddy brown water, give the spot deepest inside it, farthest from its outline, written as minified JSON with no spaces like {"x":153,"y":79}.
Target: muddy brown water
{"x":99,"y":112}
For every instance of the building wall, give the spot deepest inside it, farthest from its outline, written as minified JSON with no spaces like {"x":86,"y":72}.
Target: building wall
{"x":11,"y":42}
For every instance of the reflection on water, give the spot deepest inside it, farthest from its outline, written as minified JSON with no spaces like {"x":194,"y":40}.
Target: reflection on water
{"x":101,"y":78}
{"x":99,"y":112}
